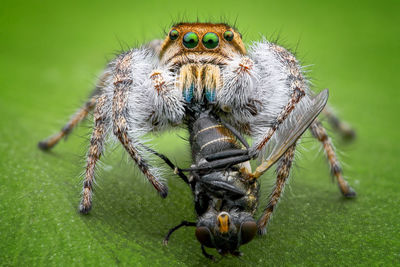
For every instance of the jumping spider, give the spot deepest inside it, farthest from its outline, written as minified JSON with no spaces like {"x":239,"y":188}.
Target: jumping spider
{"x":202,"y":77}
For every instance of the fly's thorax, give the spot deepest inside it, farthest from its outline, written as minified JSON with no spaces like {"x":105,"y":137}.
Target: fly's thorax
{"x":225,"y":190}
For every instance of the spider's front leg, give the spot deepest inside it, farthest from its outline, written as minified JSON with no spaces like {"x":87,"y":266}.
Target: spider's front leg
{"x":143,"y":101}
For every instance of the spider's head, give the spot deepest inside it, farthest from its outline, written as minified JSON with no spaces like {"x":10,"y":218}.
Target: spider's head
{"x":225,"y":231}
{"x":201,"y":39}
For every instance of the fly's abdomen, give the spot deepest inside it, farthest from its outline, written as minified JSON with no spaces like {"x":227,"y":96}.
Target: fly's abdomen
{"x":208,"y":136}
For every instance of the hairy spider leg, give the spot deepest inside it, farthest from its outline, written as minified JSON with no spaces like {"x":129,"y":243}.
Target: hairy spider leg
{"x":296,"y":84}
{"x":288,"y":138}
{"x":319,"y":132}
{"x":51,"y":141}
{"x":120,"y":108}
{"x":343,"y":128}
{"x":95,"y":151}
{"x":79,"y":116}
{"x":283,"y":171}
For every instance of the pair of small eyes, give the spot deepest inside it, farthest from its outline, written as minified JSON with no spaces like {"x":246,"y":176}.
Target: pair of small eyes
{"x":191,"y":39}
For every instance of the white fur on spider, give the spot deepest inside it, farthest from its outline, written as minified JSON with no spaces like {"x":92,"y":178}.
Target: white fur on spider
{"x":274,"y":90}
{"x":155,"y":101}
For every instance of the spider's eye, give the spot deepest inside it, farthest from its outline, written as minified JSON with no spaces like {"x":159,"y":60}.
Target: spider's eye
{"x":228,"y":35}
{"x":173,"y":34}
{"x":210,"y":40}
{"x":190,"y":40}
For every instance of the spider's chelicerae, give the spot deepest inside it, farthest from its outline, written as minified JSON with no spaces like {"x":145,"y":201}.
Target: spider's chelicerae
{"x":202,"y":77}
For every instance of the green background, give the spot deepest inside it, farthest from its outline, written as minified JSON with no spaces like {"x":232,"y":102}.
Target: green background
{"x":50,"y":57}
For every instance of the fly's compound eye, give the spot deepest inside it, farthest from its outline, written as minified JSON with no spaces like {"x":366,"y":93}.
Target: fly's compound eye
{"x":248,"y":231}
{"x":228,"y":35}
{"x":203,"y":234}
{"x":210,"y":40}
{"x":190,"y":40}
{"x":173,"y":34}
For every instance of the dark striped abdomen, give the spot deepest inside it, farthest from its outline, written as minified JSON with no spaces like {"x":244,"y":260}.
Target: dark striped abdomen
{"x":208,"y":136}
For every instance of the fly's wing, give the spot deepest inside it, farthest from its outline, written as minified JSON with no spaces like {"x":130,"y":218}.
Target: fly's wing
{"x":299,"y":122}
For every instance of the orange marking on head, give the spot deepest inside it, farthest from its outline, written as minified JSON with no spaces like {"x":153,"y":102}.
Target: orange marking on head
{"x":225,"y":47}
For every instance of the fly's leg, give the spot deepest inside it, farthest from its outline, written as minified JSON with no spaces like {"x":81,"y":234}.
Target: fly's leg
{"x":178,"y":171}
{"x":170,"y":232}
{"x":342,"y":127}
{"x":120,"y":111}
{"x":95,"y":151}
{"x":208,"y":256}
{"x":319,"y":132}
{"x":80,"y":115}
{"x":283,"y":171}
{"x":236,"y":133}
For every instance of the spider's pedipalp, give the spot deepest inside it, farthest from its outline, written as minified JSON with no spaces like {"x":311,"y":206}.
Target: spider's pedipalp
{"x":238,"y":95}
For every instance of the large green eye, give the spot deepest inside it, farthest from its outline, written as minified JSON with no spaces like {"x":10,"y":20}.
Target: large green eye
{"x":173,"y":34}
{"x":190,"y":40}
{"x":210,"y":40}
{"x":228,"y":35}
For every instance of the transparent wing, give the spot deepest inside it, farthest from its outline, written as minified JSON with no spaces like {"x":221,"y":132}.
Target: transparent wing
{"x":299,"y":122}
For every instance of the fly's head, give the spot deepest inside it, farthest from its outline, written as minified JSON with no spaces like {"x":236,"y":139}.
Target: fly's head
{"x":197,"y":42}
{"x":226,"y":231}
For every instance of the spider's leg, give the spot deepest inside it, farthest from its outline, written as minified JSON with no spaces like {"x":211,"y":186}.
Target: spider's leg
{"x":283,"y":171}
{"x":80,"y":115}
{"x":301,"y":120}
{"x":127,"y":125}
{"x":342,"y":127}
{"x":296,"y":86}
{"x":319,"y":132}
{"x":288,"y":107}
{"x":95,"y":151}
